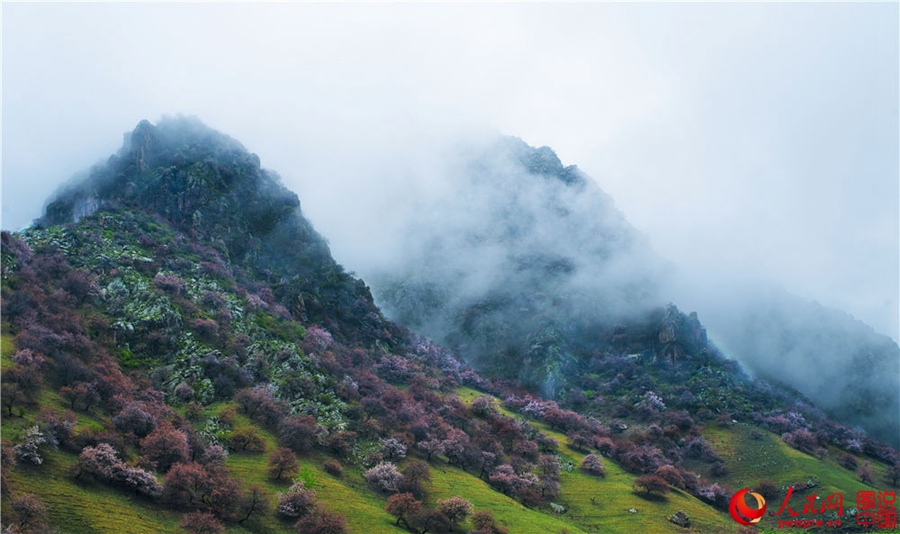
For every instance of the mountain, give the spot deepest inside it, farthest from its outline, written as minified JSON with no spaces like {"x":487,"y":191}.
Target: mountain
{"x":848,"y":369}
{"x":520,"y":258}
{"x":526,"y":268}
{"x":181,"y":353}
{"x":207,"y":185}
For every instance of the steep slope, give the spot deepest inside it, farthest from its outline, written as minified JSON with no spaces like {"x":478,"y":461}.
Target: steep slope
{"x":526,"y":268}
{"x":208,"y":186}
{"x":180,"y":349}
{"x":520,"y":255}
{"x":851,"y":371}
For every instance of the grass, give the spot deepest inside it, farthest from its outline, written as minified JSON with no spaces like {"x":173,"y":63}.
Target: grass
{"x":7,"y":348}
{"x":751,"y":455}
{"x":448,"y":482}
{"x":347,"y":495}
{"x":88,"y":508}
{"x":593,"y":505}
{"x":613,"y":496}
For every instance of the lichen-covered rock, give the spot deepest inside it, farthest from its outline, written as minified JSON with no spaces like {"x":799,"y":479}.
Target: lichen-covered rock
{"x":681,"y":519}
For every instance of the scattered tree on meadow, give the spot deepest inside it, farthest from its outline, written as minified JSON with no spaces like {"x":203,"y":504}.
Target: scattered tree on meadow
{"x":246,"y":439}
{"x":384,"y":478}
{"x":321,"y":521}
{"x":485,"y":523}
{"x":648,"y":484}
{"x":201,"y":523}
{"x":31,"y":447}
{"x":592,"y":464}
{"x":548,"y":468}
{"x":283,"y":461}
{"x":403,"y":506}
{"x":165,"y":447}
{"x":865,"y":473}
{"x":393,"y":449}
{"x":297,"y":433}
{"x":456,"y":509}
{"x":671,"y":475}
{"x":297,"y":502}
{"x":414,"y":474}
{"x":255,"y":500}
{"x":135,"y":418}
{"x":892,"y":474}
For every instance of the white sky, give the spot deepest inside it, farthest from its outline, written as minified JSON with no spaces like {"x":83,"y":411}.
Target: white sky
{"x":741,"y":138}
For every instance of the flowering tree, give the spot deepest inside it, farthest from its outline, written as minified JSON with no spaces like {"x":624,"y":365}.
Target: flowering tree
{"x":135,"y":418}
{"x":165,"y":447}
{"x":592,"y":465}
{"x":321,"y":521}
{"x":648,"y":484}
{"x":30,"y":510}
{"x":201,"y":523}
{"x":403,"y":506}
{"x":384,"y":477}
{"x":393,"y":449}
{"x":282,"y":461}
{"x":29,"y":450}
{"x":456,"y":509}
{"x":507,"y":481}
{"x":297,"y":502}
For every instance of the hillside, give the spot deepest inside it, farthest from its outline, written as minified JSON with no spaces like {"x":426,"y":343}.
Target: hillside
{"x":180,"y":353}
{"x":526,"y":268}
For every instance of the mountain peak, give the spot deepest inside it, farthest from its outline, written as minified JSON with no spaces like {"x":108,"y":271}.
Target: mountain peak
{"x":211,"y":188}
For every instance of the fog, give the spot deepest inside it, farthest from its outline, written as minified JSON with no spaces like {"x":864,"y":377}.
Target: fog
{"x":744,"y":141}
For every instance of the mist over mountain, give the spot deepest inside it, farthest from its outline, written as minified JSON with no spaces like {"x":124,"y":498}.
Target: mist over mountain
{"x":515,"y":248}
{"x":525,"y":266}
{"x":845,"y":366}
{"x":210,"y":186}
{"x":180,"y":348}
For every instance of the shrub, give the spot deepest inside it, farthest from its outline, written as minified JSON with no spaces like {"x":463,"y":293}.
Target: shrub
{"x":29,"y":450}
{"x":592,"y":465}
{"x":297,"y":502}
{"x":30,"y":510}
{"x":281,"y":462}
{"x":321,"y":521}
{"x":201,"y":523}
{"x":136,"y":419}
{"x":384,"y":477}
{"x":648,"y":484}
{"x":333,"y":467}
{"x":671,"y":475}
{"x":403,"y":506}
{"x":165,"y":447}
{"x":246,"y":439}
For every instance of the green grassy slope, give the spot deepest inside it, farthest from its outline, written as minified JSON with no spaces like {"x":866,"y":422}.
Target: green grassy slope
{"x":613,"y":496}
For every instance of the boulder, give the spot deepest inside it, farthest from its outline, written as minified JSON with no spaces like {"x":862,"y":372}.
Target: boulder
{"x":681,"y":519}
